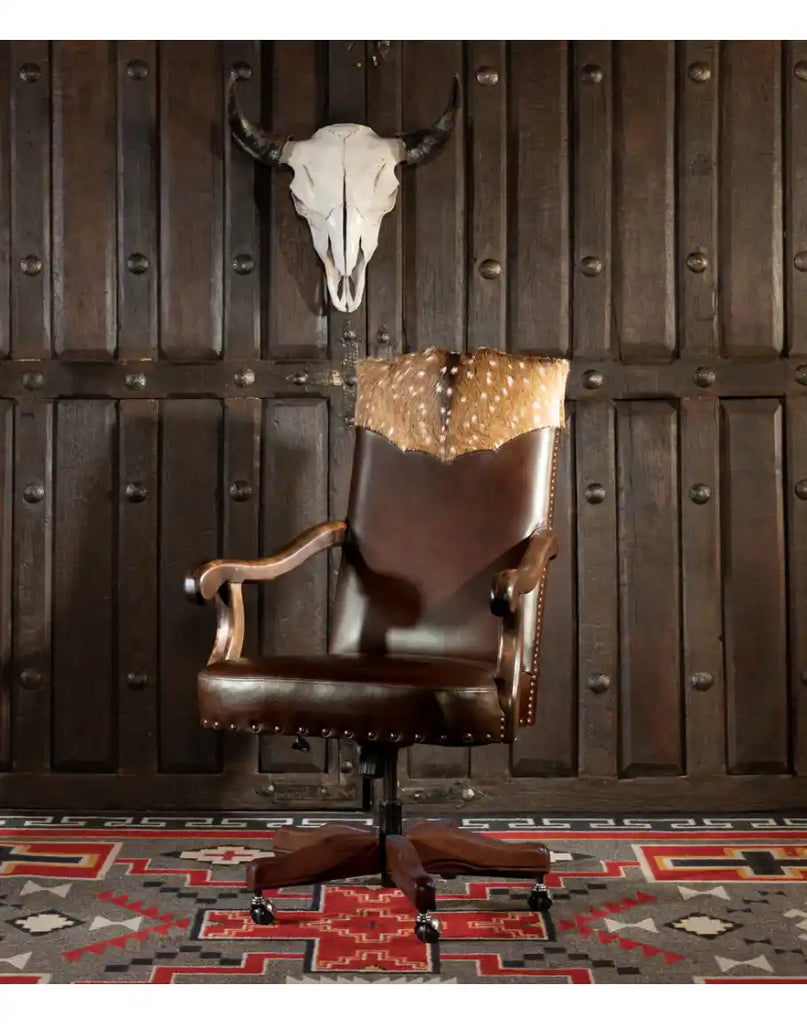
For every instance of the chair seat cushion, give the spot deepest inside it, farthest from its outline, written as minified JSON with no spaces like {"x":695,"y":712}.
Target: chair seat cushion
{"x":400,"y":700}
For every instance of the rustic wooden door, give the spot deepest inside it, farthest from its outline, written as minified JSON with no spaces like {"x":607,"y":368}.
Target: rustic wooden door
{"x":173,"y":385}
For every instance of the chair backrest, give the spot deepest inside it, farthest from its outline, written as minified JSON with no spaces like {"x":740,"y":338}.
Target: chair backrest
{"x":453,"y":470}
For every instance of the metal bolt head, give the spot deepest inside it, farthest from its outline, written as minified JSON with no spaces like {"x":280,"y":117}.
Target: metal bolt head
{"x":347,"y":767}
{"x":800,"y":261}
{"x":593,"y":379}
{"x":137,"y":263}
{"x":698,"y":71}
{"x":351,"y":380}
{"x":33,"y":493}
{"x":31,"y":265}
{"x":700,"y":493}
{"x":30,"y":73}
{"x":137,"y":70}
{"x":30,"y":678}
{"x":242,"y":71}
{"x":697,"y":262}
{"x":701,"y":681}
{"x":487,"y":76}
{"x":136,"y":680}
{"x":800,"y":70}
{"x":490,"y":269}
{"x":243,"y":263}
{"x":801,"y":374}
{"x":595,"y":494}
{"x":801,"y":490}
{"x":135,"y":381}
{"x":32,"y":381}
{"x":300,"y":379}
{"x":240,"y":490}
{"x":468,"y":793}
{"x":244,"y":378}
{"x":348,"y":334}
{"x":704,"y":377}
{"x":591,"y":266}
{"x":591,"y":74}
{"x":136,"y":492}
{"x":383,"y":335}
{"x":598,"y":682}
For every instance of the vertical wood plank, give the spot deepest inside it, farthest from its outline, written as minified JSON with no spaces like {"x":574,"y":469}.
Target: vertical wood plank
{"x":191,"y":199}
{"x":434,"y":204}
{"x":487,"y":142}
{"x":138,"y":497}
{"x":6,"y":563}
{"x":31,"y":203}
{"x":649,"y":604}
{"x":295,"y":302}
{"x":750,"y":288}
{"x":795,"y":60}
{"x":33,"y":532}
{"x":698,"y":76}
{"x":242,"y":263}
{"x":137,"y":199}
{"x":538,"y":172}
{"x":702,"y":588}
{"x":796,"y":432}
{"x":190,"y":516}
{"x":593,"y":132}
{"x":241,"y":495}
{"x":5,"y":199}
{"x":385,"y":272}
{"x":83,"y":609}
{"x":754,"y":616}
{"x":550,"y":747}
{"x":294,"y":612}
{"x":597,"y":600}
{"x":644,"y":200}
{"x":84,"y":200}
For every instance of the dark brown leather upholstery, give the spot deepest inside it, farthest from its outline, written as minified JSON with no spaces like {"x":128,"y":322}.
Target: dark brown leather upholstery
{"x":397,"y":699}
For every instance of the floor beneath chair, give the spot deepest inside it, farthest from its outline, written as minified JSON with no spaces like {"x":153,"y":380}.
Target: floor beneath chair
{"x":159,"y":899}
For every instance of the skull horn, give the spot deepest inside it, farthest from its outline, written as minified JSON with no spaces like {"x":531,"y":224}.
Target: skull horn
{"x":426,"y":142}
{"x":251,"y":137}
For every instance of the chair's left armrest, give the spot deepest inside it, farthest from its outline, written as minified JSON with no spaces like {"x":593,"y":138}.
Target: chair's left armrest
{"x":511,"y":584}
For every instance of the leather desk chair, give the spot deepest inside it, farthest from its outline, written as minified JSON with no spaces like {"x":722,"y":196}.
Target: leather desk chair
{"x":436,"y":625}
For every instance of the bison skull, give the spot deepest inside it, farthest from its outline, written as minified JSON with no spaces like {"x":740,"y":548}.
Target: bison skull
{"x":344,"y":182}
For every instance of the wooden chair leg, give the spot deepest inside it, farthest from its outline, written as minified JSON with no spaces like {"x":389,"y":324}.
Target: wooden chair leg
{"x":404,"y":867}
{"x":342,"y":856}
{"x":291,"y":838}
{"x":449,"y":851}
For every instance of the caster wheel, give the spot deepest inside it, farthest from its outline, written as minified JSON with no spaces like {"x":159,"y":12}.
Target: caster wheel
{"x":539,"y":899}
{"x":261,"y":911}
{"x":428,"y":930}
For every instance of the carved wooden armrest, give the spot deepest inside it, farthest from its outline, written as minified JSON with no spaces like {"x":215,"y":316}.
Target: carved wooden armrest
{"x":223,"y":578}
{"x":509,"y":586}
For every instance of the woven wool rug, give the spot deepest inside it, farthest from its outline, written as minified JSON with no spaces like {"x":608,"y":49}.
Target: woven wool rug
{"x":159,"y":899}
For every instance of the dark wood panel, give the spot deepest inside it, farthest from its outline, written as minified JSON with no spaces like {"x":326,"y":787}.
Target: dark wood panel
{"x":487,"y":143}
{"x":385,"y":272}
{"x":83,"y":565}
{"x":796,"y":511}
{"x":6,"y":563}
{"x":5,"y":200}
{"x":597,"y":590}
{"x":191,"y":105}
{"x":538,"y":187}
{"x":30,"y":205}
{"x":84,"y":200}
{"x":33,"y":542}
{"x":240,"y":523}
{"x":190,"y":516}
{"x":702,"y":621}
{"x":751,"y":299}
{"x":550,"y":747}
{"x":795,"y":249}
{"x":242,"y":254}
{"x":649,"y":599}
{"x":138,"y":497}
{"x":434,"y":203}
{"x":137,"y":199}
{"x":294,"y":613}
{"x":697,"y":97}
{"x":754,"y":617}
{"x":644,"y":200}
{"x":592,"y":198}
{"x":296,"y":296}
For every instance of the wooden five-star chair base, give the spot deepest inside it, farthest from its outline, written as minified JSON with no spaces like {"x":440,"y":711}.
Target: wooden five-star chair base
{"x":406,"y":858}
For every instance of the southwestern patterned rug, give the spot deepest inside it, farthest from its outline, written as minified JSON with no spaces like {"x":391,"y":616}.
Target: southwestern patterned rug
{"x":158,"y":899}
